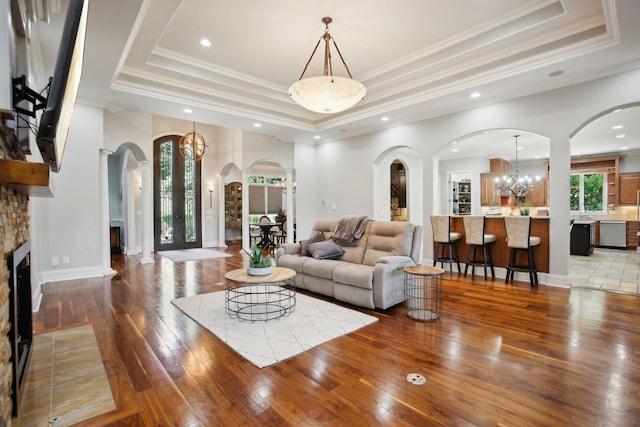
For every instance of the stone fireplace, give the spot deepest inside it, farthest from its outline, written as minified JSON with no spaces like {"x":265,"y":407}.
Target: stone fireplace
{"x":14,"y":232}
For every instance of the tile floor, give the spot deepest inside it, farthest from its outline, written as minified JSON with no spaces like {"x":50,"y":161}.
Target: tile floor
{"x":66,"y":380}
{"x":607,"y":269}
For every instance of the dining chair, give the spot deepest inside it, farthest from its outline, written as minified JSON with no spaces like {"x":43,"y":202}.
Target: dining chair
{"x":446,"y":240}
{"x":280,"y":234}
{"x":519,"y":239}
{"x":476,"y":239}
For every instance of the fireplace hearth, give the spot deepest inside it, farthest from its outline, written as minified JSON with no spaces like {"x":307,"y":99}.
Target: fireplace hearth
{"x":21,"y":333}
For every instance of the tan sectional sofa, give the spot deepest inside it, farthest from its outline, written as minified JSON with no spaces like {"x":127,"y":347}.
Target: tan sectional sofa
{"x":368,"y":274}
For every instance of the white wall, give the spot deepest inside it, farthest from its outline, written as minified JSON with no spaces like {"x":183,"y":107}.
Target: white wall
{"x":630,"y":163}
{"x":257,"y":147}
{"x":68,"y":225}
{"x":307,"y":207}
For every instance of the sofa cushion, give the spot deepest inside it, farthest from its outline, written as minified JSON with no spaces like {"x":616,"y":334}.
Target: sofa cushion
{"x":327,"y":249}
{"x":322,"y":268}
{"x":294,"y":262}
{"x":357,"y":275}
{"x":304,"y":245}
{"x":388,"y":238}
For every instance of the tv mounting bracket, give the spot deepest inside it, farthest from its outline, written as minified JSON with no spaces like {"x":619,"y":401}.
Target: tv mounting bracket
{"x":21,"y":92}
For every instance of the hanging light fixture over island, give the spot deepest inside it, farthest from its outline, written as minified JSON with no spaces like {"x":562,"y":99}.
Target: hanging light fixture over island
{"x":516,"y":184}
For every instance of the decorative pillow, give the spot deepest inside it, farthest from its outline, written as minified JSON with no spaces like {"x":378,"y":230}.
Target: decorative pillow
{"x":327,"y":249}
{"x":304,"y":245}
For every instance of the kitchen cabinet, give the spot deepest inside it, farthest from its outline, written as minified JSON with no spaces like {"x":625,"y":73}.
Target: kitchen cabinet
{"x":461,"y":198}
{"x":233,"y":211}
{"x":632,"y":234}
{"x":537,"y":196}
{"x":489,"y":194}
{"x":499,"y":166}
{"x":629,"y":186}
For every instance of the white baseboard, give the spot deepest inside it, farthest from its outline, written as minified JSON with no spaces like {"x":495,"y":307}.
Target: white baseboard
{"x":36,"y":300}
{"x":213,"y":244}
{"x":559,"y":281}
{"x":71,"y":274}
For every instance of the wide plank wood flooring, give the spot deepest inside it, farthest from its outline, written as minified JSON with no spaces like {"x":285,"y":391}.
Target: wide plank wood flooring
{"x":504,"y":355}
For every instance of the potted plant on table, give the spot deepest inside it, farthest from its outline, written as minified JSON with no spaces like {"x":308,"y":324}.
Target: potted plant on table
{"x":525,"y":208}
{"x":259,"y":263}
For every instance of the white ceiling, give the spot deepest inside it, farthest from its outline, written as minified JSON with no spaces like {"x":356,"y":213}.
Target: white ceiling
{"x":417,"y":58}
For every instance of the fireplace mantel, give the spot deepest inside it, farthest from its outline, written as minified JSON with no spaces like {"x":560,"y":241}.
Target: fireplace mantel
{"x":26,"y":177}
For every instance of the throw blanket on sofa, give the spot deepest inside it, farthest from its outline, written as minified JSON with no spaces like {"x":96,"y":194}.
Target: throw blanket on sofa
{"x":350,"y":228}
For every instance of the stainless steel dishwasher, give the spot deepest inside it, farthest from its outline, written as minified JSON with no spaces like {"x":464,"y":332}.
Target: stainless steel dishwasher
{"x":613,"y":234}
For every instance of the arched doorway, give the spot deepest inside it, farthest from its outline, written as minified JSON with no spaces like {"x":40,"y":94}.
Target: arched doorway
{"x":398,"y":191}
{"x":605,"y":190}
{"x":412,"y":166}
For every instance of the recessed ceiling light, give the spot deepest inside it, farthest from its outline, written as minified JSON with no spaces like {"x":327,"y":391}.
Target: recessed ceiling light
{"x":385,"y":119}
{"x":622,"y":135}
{"x":187,"y":110}
{"x":624,"y":148}
{"x":455,"y":150}
{"x":454,"y":142}
{"x":205,"y":42}
{"x":617,"y":127}
{"x":556,"y":73}
{"x":316,"y":137}
{"x":257,"y":125}
{"x":520,"y":148}
{"x":475,"y":94}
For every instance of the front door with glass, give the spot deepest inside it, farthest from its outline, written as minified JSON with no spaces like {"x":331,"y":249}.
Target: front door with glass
{"x":176,"y":197}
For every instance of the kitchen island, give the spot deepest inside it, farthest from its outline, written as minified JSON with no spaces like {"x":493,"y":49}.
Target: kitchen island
{"x":495,"y":225}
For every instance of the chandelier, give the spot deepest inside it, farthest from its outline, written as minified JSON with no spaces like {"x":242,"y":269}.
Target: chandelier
{"x":327,"y":93}
{"x":192,"y":145}
{"x":515,"y":184}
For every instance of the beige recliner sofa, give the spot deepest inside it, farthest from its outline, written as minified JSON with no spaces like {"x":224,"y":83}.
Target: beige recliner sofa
{"x":368,"y":274}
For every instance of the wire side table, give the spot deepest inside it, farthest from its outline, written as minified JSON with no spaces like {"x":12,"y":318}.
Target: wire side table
{"x":423,"y":292}
{"x":260,"y":298}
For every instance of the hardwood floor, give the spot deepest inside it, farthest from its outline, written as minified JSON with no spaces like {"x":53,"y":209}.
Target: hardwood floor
{"x":500,"y":354}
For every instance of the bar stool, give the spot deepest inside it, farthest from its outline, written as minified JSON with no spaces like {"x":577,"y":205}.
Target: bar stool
{"x":445,"y":239}
{"x":519,"y":239}
{"x":477,"y":239}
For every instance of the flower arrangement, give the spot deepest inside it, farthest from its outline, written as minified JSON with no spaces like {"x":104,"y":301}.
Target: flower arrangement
{"x":259,"y":263}
{"x":257,"y":259}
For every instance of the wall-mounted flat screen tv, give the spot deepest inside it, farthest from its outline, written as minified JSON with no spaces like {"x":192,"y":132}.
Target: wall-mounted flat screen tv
{"x":55,"y":121}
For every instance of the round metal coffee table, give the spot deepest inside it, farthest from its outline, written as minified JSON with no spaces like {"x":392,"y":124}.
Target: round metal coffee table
{"x":262,"y":298}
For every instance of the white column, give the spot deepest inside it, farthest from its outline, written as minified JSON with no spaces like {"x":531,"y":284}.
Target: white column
{"x":104,"y":213}
{"x":290,"y":213}
{"x":559,"y":210}
{"x":246,"y":242}
{"x":130,"y":226}
{"x":147,"y":213}
{"x":221,"y":213}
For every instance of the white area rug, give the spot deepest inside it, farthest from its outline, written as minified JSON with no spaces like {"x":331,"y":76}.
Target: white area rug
{"x":193,"y":254}
{"x":313,"y":322}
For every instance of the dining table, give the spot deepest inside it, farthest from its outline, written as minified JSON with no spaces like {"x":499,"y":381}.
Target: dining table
{"x":265,"y":231}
